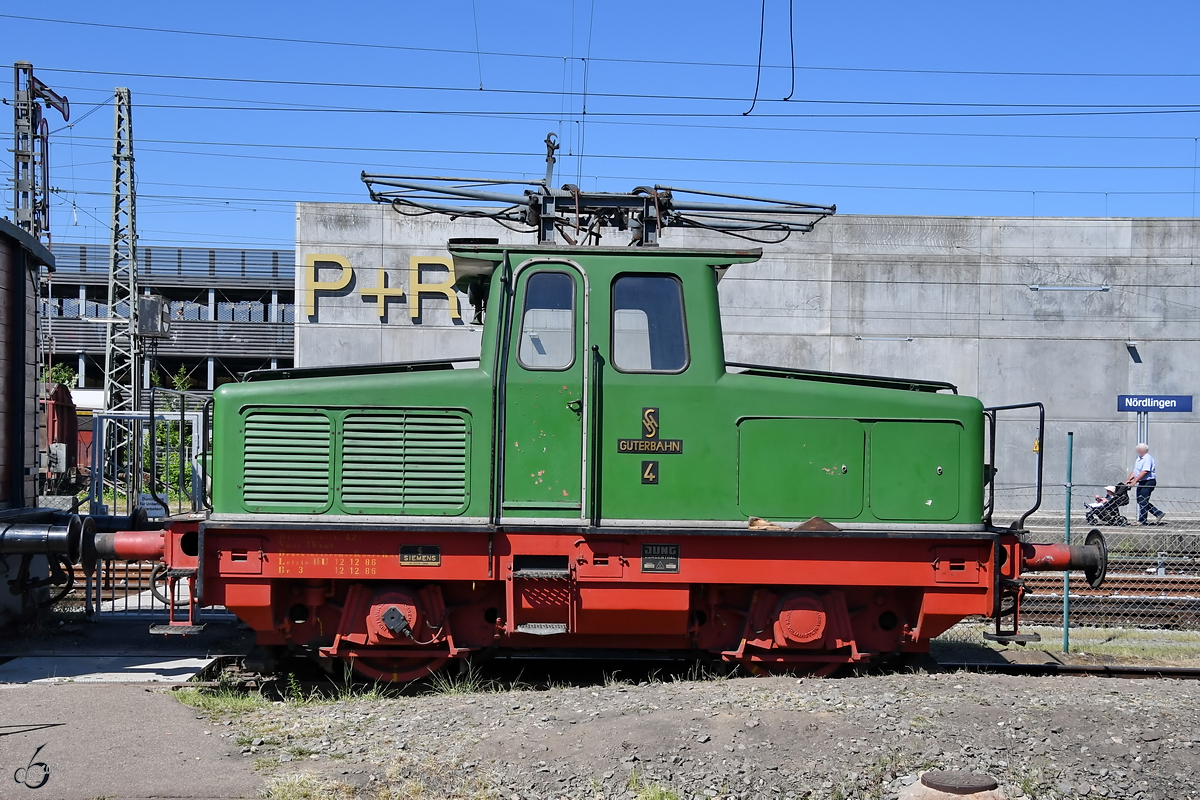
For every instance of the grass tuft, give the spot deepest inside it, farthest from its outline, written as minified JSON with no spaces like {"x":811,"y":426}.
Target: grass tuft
{"x":221,"y":700}
{"x":656,"y":791}
{"x":702,"y":672}
{"x":469,"y":681}
{"x":611,"y":680}
{"x":648,"y":791}
{"x":305,"y":786}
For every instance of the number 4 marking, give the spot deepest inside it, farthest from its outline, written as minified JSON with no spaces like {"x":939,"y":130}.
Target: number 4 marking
{"x":649,"y":472}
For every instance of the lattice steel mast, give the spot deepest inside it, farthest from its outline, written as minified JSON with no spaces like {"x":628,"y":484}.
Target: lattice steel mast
{"x":31,"y":150}
{"x":122,"y":350}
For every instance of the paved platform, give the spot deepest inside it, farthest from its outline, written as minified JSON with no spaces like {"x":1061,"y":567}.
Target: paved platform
{"x":101,"y":669}
{"x":90,"y":695}
{"x":120,"y":742}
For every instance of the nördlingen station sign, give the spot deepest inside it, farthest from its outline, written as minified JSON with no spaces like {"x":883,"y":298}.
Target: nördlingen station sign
{"x":1154,"y":402}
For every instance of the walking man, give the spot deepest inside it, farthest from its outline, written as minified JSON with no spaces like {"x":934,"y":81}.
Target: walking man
{"x":1145,"y":479}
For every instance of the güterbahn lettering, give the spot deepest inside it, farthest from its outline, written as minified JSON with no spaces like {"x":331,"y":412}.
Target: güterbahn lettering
{"x":657,"y":446}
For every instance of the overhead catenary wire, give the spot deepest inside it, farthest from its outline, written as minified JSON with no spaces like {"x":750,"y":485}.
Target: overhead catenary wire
{"x":752,"y":128}
{"x":792,"y":46}
{"x":549,"y":117}
{"x":1045,"y":110}
{"x":1166,"y":187}
{"x":71,"y":125}
{"x":838,"y":131}
{"x":556,"y":57}
{"x":478,"y":55}
{"x":762,"y":29}
{"x":669,"y":158}
{"x":278,"y":82}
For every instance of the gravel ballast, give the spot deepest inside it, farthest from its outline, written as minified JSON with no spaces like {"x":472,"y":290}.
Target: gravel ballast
{"x":778,"y":737}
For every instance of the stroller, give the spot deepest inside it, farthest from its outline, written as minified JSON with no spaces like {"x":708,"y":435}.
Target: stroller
{"x":1107,"y":510}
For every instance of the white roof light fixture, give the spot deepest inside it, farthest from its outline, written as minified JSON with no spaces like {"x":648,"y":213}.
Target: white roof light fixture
{"x":883,"y":338}
{"x":1039,"y":288}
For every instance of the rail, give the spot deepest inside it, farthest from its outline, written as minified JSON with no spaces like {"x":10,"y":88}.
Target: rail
{"x":1131,"y":672}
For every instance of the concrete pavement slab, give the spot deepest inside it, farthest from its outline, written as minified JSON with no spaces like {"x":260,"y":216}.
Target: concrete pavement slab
{"x":118,"y":741}
{"x":100,"y":669}
{"x":117,"y":635}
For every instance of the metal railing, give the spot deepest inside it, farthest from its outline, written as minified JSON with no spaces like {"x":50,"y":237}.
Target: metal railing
{"x":991,"y":468}
{"x":152,"y":460}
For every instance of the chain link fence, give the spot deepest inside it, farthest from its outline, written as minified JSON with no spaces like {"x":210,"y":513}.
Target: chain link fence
{"x":1153,"y":570}
{"x":1150,"y":601}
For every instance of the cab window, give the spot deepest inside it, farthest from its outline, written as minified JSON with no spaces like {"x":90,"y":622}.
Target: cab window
{"x":648,"y":324}
{"x":548,"y":325}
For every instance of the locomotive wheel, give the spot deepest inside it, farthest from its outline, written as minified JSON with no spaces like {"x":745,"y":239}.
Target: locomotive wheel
{"x":820,"y":670}
{"x":396,"y":670}
{"x":813,"y":670}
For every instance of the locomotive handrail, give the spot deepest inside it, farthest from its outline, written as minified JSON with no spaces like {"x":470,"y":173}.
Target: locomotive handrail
{"x":992,"y":413}
{"x":354,"y":369}
{"x":153,"y":419}
{"x":205,"y":423}
{"x":595,"y":406}
{"x":499,"y":380}
{"x":848,"y":378}
{"x":154,"y":451}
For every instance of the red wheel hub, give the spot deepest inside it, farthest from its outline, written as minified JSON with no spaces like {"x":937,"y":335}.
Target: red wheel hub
{"x":396,"y":670}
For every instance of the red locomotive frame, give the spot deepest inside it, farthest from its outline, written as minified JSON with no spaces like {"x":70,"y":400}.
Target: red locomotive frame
{"x":398,"y":602}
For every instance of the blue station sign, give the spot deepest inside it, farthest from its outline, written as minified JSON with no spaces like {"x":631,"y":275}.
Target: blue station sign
{"x":1154,"y":402}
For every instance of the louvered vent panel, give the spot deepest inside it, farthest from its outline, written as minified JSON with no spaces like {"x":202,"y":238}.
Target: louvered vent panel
{"x":286,"y":461}
{"x":404,"y":463}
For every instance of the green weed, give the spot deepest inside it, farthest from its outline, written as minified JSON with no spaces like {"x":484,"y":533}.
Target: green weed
{"x":469,"y":681}
{"x":298,"y":751}
{"x":305,"y":786}
{"x":656,"y":791}
{"x":1031,"y":785}
{"x":221,"y":700}
{"x":648,"y":791}
{"x":611,"y":681}
{"x":701,"y":672}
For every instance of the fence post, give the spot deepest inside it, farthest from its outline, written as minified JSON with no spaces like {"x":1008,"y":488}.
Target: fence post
{"x":1067,"y":535}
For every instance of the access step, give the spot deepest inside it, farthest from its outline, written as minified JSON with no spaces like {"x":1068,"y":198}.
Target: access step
{"x":176,"y":630}
{"x":542,"y":628}
{"x":1013,"y":638}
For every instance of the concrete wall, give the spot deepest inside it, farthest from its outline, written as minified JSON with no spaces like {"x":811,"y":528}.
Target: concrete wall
{"x":943,"y":298}
{"x":346,"y":327}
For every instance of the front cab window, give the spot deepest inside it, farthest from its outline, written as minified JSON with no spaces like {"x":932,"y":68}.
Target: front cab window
{"x":648,"y":324}
{"x":548,"y":326}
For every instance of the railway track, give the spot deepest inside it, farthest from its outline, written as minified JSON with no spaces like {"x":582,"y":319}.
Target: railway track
{"x":1128,"y":672}
{"x":1168,"y":601}
{"x":304,"y":678}
{"x":1182,"y":586}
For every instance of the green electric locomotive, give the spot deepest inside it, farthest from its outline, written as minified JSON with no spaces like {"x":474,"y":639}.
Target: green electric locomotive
{"x":603,"y":480}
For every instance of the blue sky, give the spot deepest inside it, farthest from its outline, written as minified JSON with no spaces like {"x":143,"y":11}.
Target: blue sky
{"x":929,"y":108}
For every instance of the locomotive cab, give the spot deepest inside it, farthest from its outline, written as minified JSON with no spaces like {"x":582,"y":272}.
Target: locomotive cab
{"x":607,"y":368}
{"x":605,"y":481}
{"x":619,"y":408}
